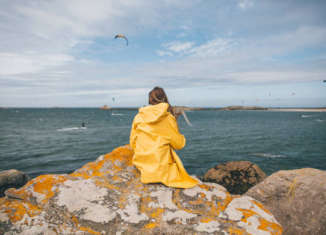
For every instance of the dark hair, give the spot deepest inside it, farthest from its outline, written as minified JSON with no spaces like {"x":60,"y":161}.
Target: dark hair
{"x":157,"y":96}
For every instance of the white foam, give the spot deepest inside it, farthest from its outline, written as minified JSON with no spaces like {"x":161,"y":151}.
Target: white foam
{"x":268,"y":155}
{"x":116,"y":114}
{"x":306,"y":116}
{"x":72,"y":128}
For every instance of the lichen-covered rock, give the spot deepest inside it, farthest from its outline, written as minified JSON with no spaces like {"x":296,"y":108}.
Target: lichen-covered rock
{"x":12,"y":179}
{"x":236,"y":176}
{"x":297,"y":198}
{"x":107,"y":197}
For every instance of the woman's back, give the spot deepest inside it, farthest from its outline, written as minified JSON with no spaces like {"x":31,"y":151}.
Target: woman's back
{"x":153,"y":137}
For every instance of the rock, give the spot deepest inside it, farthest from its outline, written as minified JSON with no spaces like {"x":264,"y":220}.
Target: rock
{"x":236,"y":176}
{"x":107,"y":197}
{"x":105,"y":107}
{"x":297,"y":198}
{"x":12,"y":179}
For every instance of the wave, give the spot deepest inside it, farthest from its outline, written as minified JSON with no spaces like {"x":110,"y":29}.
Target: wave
{"x":306,"y":116}
{"x":72,"y":128}
{"x":319,"y":120}
{"x":116,"y":114}
{"x":268,"y":155}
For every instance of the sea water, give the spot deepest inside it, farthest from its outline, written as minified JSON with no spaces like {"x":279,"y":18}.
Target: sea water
{"x":53,"y":141}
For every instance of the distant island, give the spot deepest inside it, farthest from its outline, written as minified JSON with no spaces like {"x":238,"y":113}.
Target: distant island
{"x":242,"y":108}
{"x":105,"y":107}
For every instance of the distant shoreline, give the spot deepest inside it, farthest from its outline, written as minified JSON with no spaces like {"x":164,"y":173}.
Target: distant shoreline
{"x":297,"y":110}
{"x":234,"y":108}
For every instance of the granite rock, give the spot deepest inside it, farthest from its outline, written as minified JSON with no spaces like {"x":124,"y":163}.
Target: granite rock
{"x":12,"y":179}
{"x":107,"y":197}
{"x":297,"y":199}
{"x":236,"y":176}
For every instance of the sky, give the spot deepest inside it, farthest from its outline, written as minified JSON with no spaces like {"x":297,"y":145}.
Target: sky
{"x":60,"y":53}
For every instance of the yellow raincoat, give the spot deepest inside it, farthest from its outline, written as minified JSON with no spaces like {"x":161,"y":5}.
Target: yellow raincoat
{"x":153,"y":137}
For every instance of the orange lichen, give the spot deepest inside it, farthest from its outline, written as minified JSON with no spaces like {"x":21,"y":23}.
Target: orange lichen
{"x":261,"y":207}
{"x":2,"y":200}
{"x":20,"y":193}
{"x":221,"y":206}
{"x":90,"y":170}
{"x":204,"y":186}
{"x":269,"y":226}
{"x":17,"y":209}
{"x":123,"y":154}
{"x":150,"y":225}
{"x":233,"y":231}
{"x":106,"y":183}
{"x":176,"y":197}
{"x":264,"y":224}
{"x":87,"y":229}
{"x":247,"y":214}
{"x":206,"y":219}
{"x":292,"y":188}
{"x":44,"y":184}
{"x":157,"y":213}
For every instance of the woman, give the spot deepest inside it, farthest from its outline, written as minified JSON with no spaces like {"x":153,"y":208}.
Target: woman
{"x":153,"y":137}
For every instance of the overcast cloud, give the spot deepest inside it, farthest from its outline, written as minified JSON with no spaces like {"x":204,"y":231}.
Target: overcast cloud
{"x":63,"y":53}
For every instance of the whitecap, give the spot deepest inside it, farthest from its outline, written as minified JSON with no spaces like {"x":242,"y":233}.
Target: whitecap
{"x":72,"y":128}
{"x":306,"y":116}
{"x":268,"y":155}
{"x":116,"y":114}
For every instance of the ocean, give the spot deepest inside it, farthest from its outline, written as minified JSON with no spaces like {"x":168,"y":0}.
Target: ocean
{"x":52,"y":141}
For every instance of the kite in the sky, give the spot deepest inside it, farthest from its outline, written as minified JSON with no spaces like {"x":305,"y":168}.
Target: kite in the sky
{"x":121,"y":36}
{"x":113,"y":99}
{"x":324,"y":80}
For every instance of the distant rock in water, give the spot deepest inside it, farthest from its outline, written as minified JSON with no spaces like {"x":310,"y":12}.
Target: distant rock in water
{"x":12,"y":179}
{"x":105,"y":107}
{"x":297,"y":199}
{"x":242,"y":108}
{"x":236,"y":176}
{"x":107,"y":197}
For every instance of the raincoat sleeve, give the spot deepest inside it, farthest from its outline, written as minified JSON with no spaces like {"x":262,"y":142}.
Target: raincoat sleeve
{"x":133,"y":136}
{"x":178,"y":141}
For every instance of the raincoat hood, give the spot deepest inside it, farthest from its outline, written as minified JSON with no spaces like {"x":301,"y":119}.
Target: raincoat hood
{"x":154,"y":113}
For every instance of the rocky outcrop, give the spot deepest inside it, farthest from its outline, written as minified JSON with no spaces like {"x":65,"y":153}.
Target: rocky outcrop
{"x":236,"y":176}
{"x":297,"y":199}
{"x":107,"y":197}
{"x":12,"y":179}
{"x":105,"y":107}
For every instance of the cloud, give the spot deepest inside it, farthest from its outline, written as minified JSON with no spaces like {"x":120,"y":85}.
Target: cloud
{"x":163,"y":53}
{"x":178,"y":46}
{"x":23,"y":63}
{"x":214,"y":47}
{"x":211,"y":48}
{"x":245,"y":4}
{"x":66,"y":47}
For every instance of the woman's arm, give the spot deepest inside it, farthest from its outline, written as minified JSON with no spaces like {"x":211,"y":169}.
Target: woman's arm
{"x":178,"y":141}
